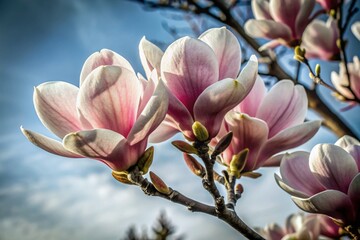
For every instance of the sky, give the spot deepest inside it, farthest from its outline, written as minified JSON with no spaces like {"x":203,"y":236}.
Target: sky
{"x":43,"y":196}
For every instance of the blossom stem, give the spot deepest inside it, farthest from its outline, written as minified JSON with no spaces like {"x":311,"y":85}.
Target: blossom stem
{"x":228,"y":216}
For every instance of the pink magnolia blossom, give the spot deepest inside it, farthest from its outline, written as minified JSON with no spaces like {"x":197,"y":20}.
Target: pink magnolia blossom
{"x":329,"y":4}
{"x":268,"y":123}
{"x":298,"y":226}
{"x":282,"y":21}
{"x":326,"y":180}
{"x":108,"y":118}
{"x":202,"y":78}
{"x":319,"y":40}
{"x":341,"y":82}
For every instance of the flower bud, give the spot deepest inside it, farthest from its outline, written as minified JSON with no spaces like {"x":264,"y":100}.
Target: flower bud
{"x":253,"y":175}
{"x":194,"y":166}
{"x":317,"y":70}
{"x":238,"y":163}
{"x":299,"y":54}
{"x":121,"y":177}
{"x":145,"y":160}
{"x":184,"y":147}
{"x":223,"y":144}
{"x":159,"y":184}
{"x":200,"y":131}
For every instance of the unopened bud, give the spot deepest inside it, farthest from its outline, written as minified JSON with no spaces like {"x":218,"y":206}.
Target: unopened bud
{"x":299,"y":54}
{"x":311,"y":76}
{"x":239,"y":189}
{"x":145,"y":160}
{"x":332,"y":13}
{"x":251,"y":174}
{"x":121,"y":177}
{"x":200,"y":131}
{"x":317,"y":70}
{"x":159,"y":184}
{"x":223,"y":144}
{"x":184,"y":147}
{"x":194,"y":166}
{"x":238,"y":163}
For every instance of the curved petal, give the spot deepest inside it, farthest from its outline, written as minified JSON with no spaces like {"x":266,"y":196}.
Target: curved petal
{"x":105,"y":145}
{"x":148,"y":89}
{"x":285,"y":11}
{"x":261,"y":9}
{"x":152,"y":115}
{"x":354,"y":151}
{"x":48,"y":144}
{"x":55,"y":104}
{"x":330,"y":202}
{"x":248,"y":133}
{"x":251,"y":102}
{"x":150,"y":56}
{"x":166,"y":130}
{"x":222,"y":97}
{"x":187,"y":68}
{"x":227,"y":50}
{"x":302,"y":17}
{"x":274,"y":231}
{"x":290,"y":138}
{"x":288,"y":189}
{"x":339,"y":82}
{"x":109,"y":98}
{"x":103,"y":58}
{"x":284,"y":106}
{"x":272,"y":44}
{"x":295,"y":172}
{"x":346,"y":141}
{"x":267,"y":29}
{"x":354,"y":192}
{"x":332,"y":166}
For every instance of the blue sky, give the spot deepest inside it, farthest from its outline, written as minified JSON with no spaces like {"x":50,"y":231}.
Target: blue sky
{"x":43,"y":196}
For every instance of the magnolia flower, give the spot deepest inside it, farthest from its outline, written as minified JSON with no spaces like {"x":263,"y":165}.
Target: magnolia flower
{"x":268,"y":123}
{"x":326,"y":180}
{"x":200,"y":75}
{"x":355,"y":28}
{"x":282,"y":21}
{"x":341,"y":82}
{"x":298,"y":226}
{"x":108,"y":118}
{"x":319,"y":40}
{"x":329,"y":4}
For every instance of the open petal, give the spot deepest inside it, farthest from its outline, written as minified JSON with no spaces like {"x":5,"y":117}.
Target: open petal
{"x":227,"y":50}
{"x":152,"y":115}
{"x":103,"y":58}
{"x":347,"y":141}
{"x":187,"y":68}
{"x":288,"y":189}
{"x":284,"y":106}
{"x":354,"y":151}
{"x":290,"y":138}
{"x":109,"y":98}
{"x":55,"y":104}
{"x":48,"y":144}
{"x":261,"y":9}
{"x":104,"y":145}
{"x":268,"y":29}
{"x":251,"y":102}
{"x":330,"y":202}
{"x":332,"y":166}
{"x":248,"y":133}
{"x":285,"y":11}
{"x":223,"y":96}
{"x":148,"y":87}
{"x":166,"y":130}
{"x":302,"y":18}
{"x":150,"y":56}
{"x":295,"y":172}
{"x":354,"y":192}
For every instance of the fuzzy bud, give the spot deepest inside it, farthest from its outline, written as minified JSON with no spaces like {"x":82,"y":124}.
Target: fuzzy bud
{"x":238,"y":163}
{"x":184,"y":147}
{"x":223,"y":144}
{"x":317,"y":70}
{"x":253,"y":175}
{"x":145,"y":160}
{"x":194,"y":166}
{"x":299,"y":54}
{"x":200,"y":131}
{"x":159,"y":184}
{"x":121,"y":177}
